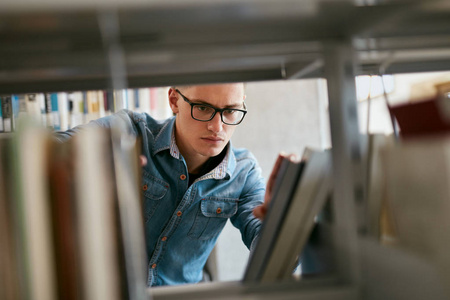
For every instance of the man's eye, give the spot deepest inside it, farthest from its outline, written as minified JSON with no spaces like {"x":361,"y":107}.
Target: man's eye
{"x":229,"y":111}
{"x":202,"y":108}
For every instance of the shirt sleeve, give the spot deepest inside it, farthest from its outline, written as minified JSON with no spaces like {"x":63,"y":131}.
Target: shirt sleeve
{"x":121,"y":119}
{"x":252,"y":196}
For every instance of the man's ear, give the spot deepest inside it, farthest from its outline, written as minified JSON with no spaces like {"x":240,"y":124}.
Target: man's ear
{"x":173,"y":100}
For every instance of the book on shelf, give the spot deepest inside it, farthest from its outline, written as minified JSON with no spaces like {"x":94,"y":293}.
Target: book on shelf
{"x":287,"y":177}
{"x":378,"y":213}
{"x":1,"y":116}
{"x":61,"y":111}
{"x":423,"y":118}
{"x":32,"y":211}
{"x":300,"y":192}
{"x":72,"y":224}
{"x":7,"y":112}
{"x":10,"y":284}
{"x":417,"y":190}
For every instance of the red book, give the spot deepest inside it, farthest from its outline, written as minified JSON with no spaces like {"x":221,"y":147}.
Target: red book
{"x":422,"y":118}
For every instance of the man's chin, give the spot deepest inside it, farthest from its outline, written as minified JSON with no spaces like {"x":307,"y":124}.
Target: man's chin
{"x":211,"y":152}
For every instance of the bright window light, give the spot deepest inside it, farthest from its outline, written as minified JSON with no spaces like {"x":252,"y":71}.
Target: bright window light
{"x":373,"y":86}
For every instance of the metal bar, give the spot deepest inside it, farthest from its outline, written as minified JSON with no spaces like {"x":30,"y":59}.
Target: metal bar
{"x":346,"y":156}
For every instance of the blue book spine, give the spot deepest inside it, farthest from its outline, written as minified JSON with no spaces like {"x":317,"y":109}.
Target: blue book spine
{"x":1,"y":116}
{"x":15,"y":110}
{"x":55,"y":111}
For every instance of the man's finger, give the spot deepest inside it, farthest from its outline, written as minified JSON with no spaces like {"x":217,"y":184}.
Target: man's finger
{"x":142,"y":160}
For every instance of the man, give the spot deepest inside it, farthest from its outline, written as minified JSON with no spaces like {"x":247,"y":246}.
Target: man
{"x":193,"y":179}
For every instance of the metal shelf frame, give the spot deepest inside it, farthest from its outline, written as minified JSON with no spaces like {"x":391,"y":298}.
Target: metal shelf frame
{"x":58,"y":46}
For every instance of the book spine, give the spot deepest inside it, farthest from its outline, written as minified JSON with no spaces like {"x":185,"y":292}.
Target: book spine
{"x":85,"y":109}
{"x":32,"y":106}
{"x":137,"y":103}
{"x":23,"y":111}
{"x":42,"y":107}
{"x":111,"y":102}
{"x":48,"y":110}
{"x":101,"y":104}
{"x":144,"y":100}
{"x":130,"y":99}
{"x":1,"y":115}
{"x":15,"y":110}
{"x":63,"y":105}
{"x":77,"y":109}
{"x":7,"y":113}
{"x":154,"y":102}
{"x":56,"y":120}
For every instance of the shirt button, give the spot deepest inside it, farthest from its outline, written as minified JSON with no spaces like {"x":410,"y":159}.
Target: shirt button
{"x":219,"y":210}
{"x":179,"y":213}
{"x":182,"y":177}
{"x":164,"y":239}
{"x":145,"y":187}
{"x":153,"y":266}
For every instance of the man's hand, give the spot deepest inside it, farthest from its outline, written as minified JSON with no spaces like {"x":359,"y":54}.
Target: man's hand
{"x":260,"y":211}
{"x":142,"y":160}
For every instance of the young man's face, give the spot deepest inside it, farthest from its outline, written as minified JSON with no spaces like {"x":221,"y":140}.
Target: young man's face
{"x":202,"y":140}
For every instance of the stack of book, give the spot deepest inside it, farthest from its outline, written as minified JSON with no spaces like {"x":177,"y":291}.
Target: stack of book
{"x":70,"y":217}
{"x":300,"y":191}
{"x":62,"y":111}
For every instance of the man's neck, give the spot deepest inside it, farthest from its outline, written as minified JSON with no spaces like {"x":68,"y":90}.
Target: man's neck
{"x":195,"y":164}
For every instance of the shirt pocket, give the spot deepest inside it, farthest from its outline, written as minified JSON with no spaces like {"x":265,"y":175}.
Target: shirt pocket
{"x":154,"y":189}
{"x":212,"y":217}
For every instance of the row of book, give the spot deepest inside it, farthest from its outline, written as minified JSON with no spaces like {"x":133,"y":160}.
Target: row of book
{"x":62,"y":111}
{"x":68,"y":229}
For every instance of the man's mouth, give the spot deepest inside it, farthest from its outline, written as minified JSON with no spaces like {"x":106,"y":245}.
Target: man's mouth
{"x":213,"y":139}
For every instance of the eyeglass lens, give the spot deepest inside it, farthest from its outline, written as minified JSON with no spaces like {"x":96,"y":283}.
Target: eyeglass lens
{"x":205,"y":113}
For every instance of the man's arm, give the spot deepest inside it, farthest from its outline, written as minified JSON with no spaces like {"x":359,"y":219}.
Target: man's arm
{"x":252,"y":196}
{"x":121,"y":119}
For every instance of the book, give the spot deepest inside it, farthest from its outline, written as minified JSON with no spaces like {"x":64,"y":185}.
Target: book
{"x":76,"y":109}
{"x":422,"y":118}
{"x":1,"y":116}
{"x":49,"y":122}
{"x":96,"y":226}
{"x":417,"y":179}
{"x":22,"y":109}
{"x":63,"y":109}
{"x":144,"y":100}
{"x":9,"y":276}
{"x":33,"y":106}
{"x":101,"y":104}
{"x":32,"y":212}
{"x":377,"y":210}
{"x":7,"y":112}
{"x":309,"y":197}
{"x":63,"y":214}
{"x":286,"y":179}
{"x":130,"y":218}
{"x":55,"y":114}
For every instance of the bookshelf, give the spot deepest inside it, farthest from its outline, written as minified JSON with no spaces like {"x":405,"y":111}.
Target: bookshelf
{"x":61,"y":47}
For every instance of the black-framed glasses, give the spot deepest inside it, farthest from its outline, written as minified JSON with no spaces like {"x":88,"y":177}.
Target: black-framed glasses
{"x":205,"y":112}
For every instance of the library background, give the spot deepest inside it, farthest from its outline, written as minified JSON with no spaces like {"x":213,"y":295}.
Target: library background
{"x":360,"y":89}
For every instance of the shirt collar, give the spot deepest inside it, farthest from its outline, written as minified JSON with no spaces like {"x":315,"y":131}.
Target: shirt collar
{"x":165,"y":140}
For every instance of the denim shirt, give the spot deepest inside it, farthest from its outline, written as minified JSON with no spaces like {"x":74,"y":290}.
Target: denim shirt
{"x":182,"y":222}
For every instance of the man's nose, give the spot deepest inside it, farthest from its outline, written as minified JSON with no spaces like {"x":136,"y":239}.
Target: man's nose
{"x":215,"y":124}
